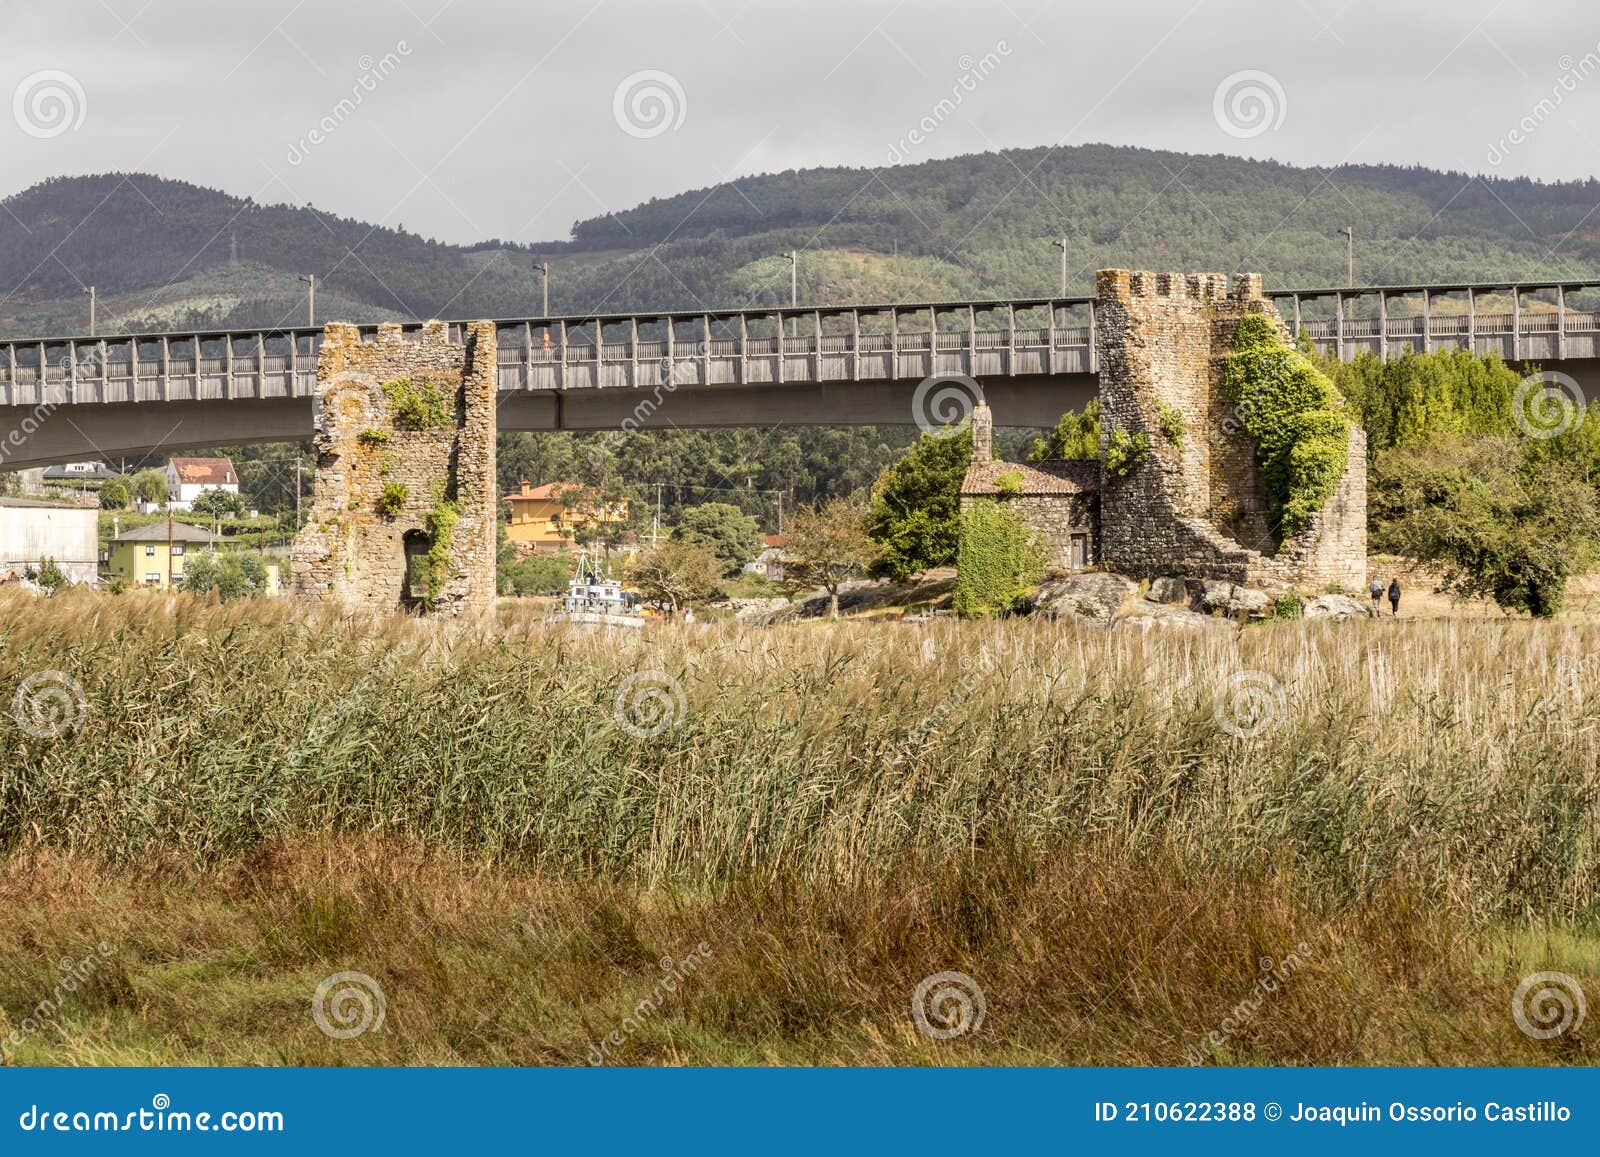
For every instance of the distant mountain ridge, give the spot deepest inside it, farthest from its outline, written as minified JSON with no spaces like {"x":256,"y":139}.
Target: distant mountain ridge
{"x":168,"y":254}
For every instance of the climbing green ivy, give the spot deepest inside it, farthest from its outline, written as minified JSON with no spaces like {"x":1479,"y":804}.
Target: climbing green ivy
{"x":1293,"y":413}
{"x":1172,"y":424}
{"x":441,"y":526}
{"x":998,"y":560}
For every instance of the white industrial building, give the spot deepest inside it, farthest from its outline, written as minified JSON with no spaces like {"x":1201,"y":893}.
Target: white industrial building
{"x":32,"y":531}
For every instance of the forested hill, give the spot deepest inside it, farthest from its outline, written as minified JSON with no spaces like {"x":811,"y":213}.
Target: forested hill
{"x":165,"y":253}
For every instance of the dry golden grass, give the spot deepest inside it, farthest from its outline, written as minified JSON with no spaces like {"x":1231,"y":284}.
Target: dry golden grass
{"x":1079,"y":962}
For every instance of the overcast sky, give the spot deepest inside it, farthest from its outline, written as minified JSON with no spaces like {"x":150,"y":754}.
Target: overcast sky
{"x":467,"y":119}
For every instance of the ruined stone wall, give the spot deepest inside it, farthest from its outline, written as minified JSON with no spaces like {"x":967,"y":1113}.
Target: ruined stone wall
{"x":1198,"y":507}
{"x":353,"y":550}
{"x":1055,"y":518}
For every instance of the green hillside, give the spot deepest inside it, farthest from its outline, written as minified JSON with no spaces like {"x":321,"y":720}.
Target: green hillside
{"x":162,"y":252}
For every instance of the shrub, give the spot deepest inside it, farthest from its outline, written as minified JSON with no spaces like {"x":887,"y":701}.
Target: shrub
{"x":1076,"y":436}
{"x":998,"y":563}
{"x":234,"y":575}
{"x":373,"y":437}
{"x":1172,"y":424}
{"x":1009,"y":483}
{"x":1125,"y":453}
{"x":1292,"y":413}
{"x":416,"y":405}
{"x":393,"y":499}
{"x":114,"y":496}
{"x":916,"y":506}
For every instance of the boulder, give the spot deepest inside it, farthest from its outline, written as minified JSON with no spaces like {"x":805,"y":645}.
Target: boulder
{"x":1215,"y":594}
{"x":1148,"y":616}
{"x":1245,"y":603}
{"x":1337,"y":608}
{"x":1094,"y":597}
{"x":1167,"y":589}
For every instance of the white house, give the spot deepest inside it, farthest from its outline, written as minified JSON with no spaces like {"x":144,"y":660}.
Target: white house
{"x":32,"y":530}
{"x":188,"y":478}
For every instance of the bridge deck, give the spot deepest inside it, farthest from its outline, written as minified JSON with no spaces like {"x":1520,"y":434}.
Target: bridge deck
{"x":772,"y":347}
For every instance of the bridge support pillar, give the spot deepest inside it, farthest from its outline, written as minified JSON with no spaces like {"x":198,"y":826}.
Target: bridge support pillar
{"x":405,"y":502}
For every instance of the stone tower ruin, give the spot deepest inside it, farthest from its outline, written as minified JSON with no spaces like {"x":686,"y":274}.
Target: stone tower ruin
{"x":1199,"y":507}
{"x":405,"y":506}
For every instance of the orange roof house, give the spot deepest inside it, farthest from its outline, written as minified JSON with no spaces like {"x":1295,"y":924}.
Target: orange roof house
{"x":549,"y":517}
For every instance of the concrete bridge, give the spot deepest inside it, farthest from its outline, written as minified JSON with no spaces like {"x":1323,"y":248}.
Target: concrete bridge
{"x":65,"y":399}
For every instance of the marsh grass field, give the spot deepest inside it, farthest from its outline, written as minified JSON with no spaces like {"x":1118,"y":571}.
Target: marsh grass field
{"x":510,"y":827}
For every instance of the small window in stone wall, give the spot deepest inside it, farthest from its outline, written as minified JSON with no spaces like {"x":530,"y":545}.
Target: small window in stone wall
{"x":415,"y":588}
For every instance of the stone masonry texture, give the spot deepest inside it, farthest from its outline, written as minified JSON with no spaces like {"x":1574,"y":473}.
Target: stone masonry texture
{"x":1199,"y":508}
{"x":350,"y":551}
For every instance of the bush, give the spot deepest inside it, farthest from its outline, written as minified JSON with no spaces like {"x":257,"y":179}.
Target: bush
{"x":393,"y":499}
{"x":417,"y":405}
{"x":114,"y":496}
{"x":538,"y":574}
{"x":999,"y":561}
{"x":1292,"y":413}
{"x":723,"y":529}
{"x":1009,"y":483}
{"x":1125,"y":453}
{"x":234,"y":575}
{"x":218,"y":503}
{"x":1076,"y":436}
{"x":1172,"y":424}
{"x":373,"y":437}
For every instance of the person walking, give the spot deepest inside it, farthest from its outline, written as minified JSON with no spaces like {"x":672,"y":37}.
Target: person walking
{"x":1394,"y":596}
{"x":1375,"y":589}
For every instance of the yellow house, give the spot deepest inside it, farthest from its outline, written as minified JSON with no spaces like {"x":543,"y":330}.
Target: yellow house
{"x":548,"y":517}
{"x":139,"y":557}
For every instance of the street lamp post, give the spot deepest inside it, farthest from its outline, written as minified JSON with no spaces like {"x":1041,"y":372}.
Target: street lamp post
{"x":91,"y":293}
{"x":311,"y":298}
{"x":1061,"y":244}
{"x":1349,"y":256}
{"x":544,"y":271}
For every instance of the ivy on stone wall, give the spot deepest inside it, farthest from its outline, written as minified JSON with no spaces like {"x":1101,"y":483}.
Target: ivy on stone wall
{"x":998,"y":560}
{"x":1292,"y":412}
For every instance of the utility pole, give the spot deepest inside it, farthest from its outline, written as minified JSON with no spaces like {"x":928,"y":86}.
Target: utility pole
{"x":311,"y":298}
{"x":1061,"y":244}
{"x":1349,"y":232}
{"x":544,"y":268}
{"x":655,"y":527}
{"x":91,"y":293}
{"x":297,"y":493}
{"x":780,"y":512}
{"x":794,"y":285}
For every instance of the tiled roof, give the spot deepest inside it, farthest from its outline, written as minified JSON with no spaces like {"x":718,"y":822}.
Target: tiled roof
{"x":157,"y":532}
{"x":205,"y":471}
{"x":1054,"y":476}
{"x":543,"y":493}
